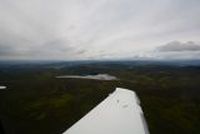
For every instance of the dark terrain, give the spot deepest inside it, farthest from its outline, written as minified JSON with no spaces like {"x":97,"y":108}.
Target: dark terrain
{"x":35,"y":102}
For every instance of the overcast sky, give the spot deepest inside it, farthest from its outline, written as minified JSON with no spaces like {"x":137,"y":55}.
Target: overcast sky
{"x":99,"y":29}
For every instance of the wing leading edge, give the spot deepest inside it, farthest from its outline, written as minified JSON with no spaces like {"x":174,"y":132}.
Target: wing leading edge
{"x":119,"y":113}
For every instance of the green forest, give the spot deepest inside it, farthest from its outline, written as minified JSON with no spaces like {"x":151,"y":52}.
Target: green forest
{"x":35,"y":102}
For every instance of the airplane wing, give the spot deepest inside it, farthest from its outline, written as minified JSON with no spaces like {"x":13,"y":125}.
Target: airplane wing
{"x":119,"y":113}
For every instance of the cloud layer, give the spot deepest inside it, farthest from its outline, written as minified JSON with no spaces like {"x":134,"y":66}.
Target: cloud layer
{"x":179,"y":46}
{"x":178,"y":50}
{"x":103,"y":29}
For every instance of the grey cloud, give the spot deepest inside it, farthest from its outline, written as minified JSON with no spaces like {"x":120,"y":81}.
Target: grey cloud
{"x":177,"y":50}
{"x":174,"y":55}
{"x":177,"y":46}
{"x":5,"y":50}
{"x":52,"y":50}
{"x":73,"y":29}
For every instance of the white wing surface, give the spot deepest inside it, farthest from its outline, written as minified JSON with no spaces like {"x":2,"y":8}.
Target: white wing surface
{"x":119,"y":113}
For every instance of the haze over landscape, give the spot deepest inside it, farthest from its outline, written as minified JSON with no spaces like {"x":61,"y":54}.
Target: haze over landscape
{"x":103,"y":29}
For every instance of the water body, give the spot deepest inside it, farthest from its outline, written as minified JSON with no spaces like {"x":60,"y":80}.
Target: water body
{"x":2,"y":87}
{"x":105,"y":77}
